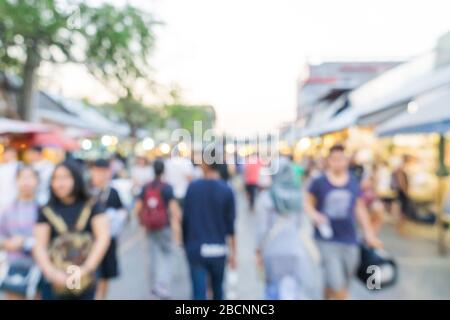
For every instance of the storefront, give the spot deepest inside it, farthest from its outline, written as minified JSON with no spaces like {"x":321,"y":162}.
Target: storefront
{"x":426,"y":122}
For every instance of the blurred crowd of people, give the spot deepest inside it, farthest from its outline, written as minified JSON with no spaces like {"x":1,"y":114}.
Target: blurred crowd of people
{"x":54,"y":217}
{"x":334,"y":196}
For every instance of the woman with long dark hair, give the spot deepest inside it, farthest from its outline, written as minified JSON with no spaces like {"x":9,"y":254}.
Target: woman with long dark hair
{"x":72,"y":236}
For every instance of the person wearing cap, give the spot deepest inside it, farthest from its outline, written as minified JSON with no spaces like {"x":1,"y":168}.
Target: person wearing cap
{"x":108,"y":198}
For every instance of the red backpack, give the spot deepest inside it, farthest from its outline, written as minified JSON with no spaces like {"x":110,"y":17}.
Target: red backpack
{"x":153,"y":215}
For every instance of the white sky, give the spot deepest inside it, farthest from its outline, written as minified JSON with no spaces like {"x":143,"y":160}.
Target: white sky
{"x":244,"y":56}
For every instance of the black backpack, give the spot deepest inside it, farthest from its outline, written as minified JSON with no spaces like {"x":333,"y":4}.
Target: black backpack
{"x":377,"y":269}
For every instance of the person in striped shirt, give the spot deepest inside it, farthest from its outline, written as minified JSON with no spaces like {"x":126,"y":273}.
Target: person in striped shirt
{"x":17,"y":221}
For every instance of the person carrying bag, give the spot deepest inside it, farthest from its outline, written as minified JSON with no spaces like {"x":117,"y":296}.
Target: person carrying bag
{"x":19,"y":275}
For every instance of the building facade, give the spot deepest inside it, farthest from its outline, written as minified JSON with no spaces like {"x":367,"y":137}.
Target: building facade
{"x":324,"y":83}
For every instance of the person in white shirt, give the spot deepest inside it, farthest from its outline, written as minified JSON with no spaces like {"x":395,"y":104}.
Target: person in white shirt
{"x":44,"y":168}
{"x":8,"y":170}
{"x":141,"y":174}
{"x":179,"y":173}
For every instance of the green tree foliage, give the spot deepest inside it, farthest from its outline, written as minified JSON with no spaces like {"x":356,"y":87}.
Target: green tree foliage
{"x":114,"y":43}
{"x":118,"y":45}
{"x":38,"y":26}
{"x":186,"y":115}
{"x":140,"y":116}
{"x":135,"y":114}
{"x":32,"y":31}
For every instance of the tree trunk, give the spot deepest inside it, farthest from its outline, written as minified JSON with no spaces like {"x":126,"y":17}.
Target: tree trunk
{"x":28,"y":98}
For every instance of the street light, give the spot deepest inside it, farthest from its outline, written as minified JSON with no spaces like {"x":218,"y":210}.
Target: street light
{"x":86,"y":144}
{"x":148,"y":144}
{"x":164,"y":148}
{"x":107,"y":140}
{"x":304,"y":144}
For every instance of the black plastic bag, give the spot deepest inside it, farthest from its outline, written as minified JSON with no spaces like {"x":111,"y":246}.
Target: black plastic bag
{"x":377,"y":269}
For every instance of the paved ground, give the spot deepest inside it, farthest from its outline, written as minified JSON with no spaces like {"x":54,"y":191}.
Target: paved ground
{"x":423,"y":274}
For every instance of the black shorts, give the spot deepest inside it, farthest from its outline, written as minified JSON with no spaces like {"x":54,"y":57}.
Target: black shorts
{"x":109,"y":268}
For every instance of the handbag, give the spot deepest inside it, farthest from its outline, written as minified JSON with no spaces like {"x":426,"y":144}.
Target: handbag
{"x":21,"y":277}
{"x":117,"y":218}
{"x":377,"y":269}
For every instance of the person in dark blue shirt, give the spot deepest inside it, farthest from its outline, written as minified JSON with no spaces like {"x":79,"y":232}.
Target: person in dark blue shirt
{"x":208,"y":231}
{"x":335,"y":205}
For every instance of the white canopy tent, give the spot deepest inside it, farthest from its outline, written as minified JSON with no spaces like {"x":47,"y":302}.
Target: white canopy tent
{"x":426,"y":114}
{"x":398,"y":86}
{"x":9,"y":126}
{"x":330,"y":119}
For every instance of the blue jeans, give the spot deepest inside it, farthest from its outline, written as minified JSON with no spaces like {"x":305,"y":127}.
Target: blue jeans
{"x":204,"y":269}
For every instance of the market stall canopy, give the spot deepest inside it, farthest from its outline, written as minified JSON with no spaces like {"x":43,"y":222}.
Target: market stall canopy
{"x":336,"y":117}
{"x":72,"y":113}
{"x":384,"y":97}
{"x":429,"y":113}
{"x":55,"y":139}
{"x":9,"y":126}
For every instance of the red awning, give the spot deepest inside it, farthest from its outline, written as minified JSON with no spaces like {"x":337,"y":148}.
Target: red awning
{"x":55,"y":139}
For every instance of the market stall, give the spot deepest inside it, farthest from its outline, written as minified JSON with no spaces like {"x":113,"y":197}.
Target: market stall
{"x":427,"y":115}
{"x":22,"y":135}
{"x":17,"y":134}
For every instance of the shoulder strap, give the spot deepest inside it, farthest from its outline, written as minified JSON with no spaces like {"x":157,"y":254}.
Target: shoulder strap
{"x":104,"y":195}
{"x":155,"y":185}
{"x":84,"y":216}
{"x":55,"y":220}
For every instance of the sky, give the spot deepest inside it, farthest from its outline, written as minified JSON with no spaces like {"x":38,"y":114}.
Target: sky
{"x":244,"y":56}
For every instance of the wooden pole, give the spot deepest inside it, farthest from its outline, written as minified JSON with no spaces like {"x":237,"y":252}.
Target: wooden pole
{"x":442,"y":174}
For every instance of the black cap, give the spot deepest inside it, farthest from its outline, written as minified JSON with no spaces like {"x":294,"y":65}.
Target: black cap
{"x":101,"y":163}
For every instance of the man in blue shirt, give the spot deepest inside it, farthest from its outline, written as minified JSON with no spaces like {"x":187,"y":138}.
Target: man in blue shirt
{"x":334,"y":203}
{"x":208,"y":230}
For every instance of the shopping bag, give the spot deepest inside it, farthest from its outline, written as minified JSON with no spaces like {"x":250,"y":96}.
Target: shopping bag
{"x":20,"y":277}
{"x":377,"y":269}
